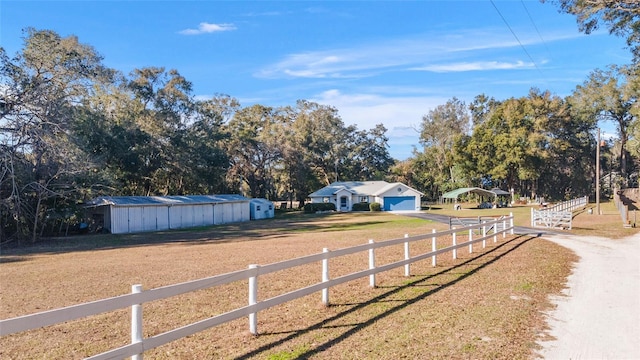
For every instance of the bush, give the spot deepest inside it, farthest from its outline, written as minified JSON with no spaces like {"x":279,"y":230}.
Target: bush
{"x":312,"y":208}
{"x":374,"y":206}
{"x":360,"y":207}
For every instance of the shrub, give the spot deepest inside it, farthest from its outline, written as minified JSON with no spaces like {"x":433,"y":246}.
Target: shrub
{"x":360,"y":207}
{"x":311,"y":208}
{"x":374,"y":206}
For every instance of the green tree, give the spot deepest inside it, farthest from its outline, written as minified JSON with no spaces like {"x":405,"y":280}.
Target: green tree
{"x":621,"y":17}
{"x":438,"y":132}
{"x":368,"y":155}
{"x":41,"y":160}
{"x":605,"y":97}
{"x":252,"y":149}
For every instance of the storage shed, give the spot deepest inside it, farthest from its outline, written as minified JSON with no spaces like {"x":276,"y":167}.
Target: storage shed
{"x":261,"y":209}
{"x":131,"y":214}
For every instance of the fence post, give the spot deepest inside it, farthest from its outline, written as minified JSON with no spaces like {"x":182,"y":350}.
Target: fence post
{"x":455,"y":251}
{"x":532,"y":219}
{"x":495,"y":232}
{"x":325,"y":278}
{"x":136,"y":321}
{"x":433,"y":247}
{"x":470,"y":241}
{"x":253,"y":299}
{"x":484,"y":235}
{"x":372,"y":265}
{"x":407,"y":267}
{"x":504,"y":227}
{"x":511,"y":222}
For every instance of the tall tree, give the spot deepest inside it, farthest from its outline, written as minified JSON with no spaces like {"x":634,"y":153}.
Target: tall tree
{"x":43,"y":87}
{"x":603,"y":96}
{"x":252,"y":149}
{"x":438,"y":131}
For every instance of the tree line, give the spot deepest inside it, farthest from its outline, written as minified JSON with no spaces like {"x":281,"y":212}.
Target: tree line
{"x":72,"y":129}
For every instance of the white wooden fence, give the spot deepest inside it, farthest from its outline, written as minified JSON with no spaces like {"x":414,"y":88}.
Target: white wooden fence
{"x":139,"y":344}
{"x":570,"y":205}
{"x":558,"y":216}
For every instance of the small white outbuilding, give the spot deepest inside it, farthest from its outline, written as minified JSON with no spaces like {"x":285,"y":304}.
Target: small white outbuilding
{"x":261,"y":209}
{"x":132,"y":214}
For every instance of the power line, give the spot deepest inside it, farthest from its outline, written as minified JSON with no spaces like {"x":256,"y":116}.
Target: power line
{"x":515,"y":36}
{"x":534,"y":25}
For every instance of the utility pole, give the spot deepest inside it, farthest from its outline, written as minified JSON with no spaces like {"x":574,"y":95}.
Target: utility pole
{"x":598,"y":174}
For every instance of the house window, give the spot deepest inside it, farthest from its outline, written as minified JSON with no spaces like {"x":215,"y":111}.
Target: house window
{"x":325,"y":199}
{"x":364,"y":199}
{"x":257,"y":207}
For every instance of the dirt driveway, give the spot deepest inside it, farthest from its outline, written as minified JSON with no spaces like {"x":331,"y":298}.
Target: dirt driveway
{"x":599,"y":315}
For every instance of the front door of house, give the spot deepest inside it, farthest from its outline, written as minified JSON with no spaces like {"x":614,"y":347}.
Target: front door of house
{"x":343,"y":204}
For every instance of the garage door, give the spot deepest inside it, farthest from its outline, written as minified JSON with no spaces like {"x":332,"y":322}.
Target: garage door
{"x":399,"y":203}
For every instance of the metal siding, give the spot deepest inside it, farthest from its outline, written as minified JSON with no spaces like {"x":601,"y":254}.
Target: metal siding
{"x":120,"y":220}
{"x":227,"y":213}
{"x":218,"y":213}
{"x":162,"y":217}
{"x":187,"y":216}
{"x":136,"y":220}
{"x":206,"y":212}
{"x":130,"y":219}
{"x":175,"y":217}
{"x":149,"y":218}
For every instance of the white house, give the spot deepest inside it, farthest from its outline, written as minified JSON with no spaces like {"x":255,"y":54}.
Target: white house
{"x":131,"y":214}
{"x":391,"y":196}
{"x":261,"y":209}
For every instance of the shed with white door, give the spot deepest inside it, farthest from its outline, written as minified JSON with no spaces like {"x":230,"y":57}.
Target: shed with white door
{"x":261,"y":209}
{"x":132,"y":214}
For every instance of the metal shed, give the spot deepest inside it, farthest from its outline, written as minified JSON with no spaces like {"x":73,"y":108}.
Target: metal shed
{"x":131,"y":214}
{"x":261,"y":209}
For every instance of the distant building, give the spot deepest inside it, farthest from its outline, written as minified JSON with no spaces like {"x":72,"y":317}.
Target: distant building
{"x":391,"y":196}
{"x":132,"y":214}
{"x":261,"y":209}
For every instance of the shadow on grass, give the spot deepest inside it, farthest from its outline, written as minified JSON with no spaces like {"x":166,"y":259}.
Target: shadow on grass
{"x":485,"y":258}
{"x":226,"y":233}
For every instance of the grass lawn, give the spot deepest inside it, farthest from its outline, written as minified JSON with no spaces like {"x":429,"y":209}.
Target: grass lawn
{"x":486,"y":305}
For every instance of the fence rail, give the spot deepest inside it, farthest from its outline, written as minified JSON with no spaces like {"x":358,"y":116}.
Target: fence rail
{"x":570,"y":205}
{"x":623,"y":209}
{"x":489,"y":230}
{"x":558,"y":216}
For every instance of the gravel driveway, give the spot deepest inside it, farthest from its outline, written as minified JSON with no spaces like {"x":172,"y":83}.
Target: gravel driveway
{"x":599,"y":315}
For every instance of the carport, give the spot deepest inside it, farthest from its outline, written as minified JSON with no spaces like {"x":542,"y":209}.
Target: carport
{"x":455,"y":194}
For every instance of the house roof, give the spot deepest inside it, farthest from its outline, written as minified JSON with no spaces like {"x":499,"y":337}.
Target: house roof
{"x":474,"y":190}
{"x":163,"y":200}
{"x":357,"y":188}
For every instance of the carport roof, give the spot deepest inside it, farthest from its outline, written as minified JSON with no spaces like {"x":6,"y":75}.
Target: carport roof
{"x":474,"y":190}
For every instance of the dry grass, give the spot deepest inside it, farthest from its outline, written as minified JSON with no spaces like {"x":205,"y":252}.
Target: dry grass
{"x":486,"y":305}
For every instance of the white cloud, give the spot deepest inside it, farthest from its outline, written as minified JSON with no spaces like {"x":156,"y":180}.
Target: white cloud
{"x":476,"y":66}
{"x":206,"y":28}
{"x":464,"y":51}
{"x":367,"y":110}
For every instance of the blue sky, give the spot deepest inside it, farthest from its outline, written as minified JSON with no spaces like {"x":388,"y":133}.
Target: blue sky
{"x":386,"y":62}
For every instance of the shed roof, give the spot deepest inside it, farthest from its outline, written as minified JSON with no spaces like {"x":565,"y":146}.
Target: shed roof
{"x":474,"y":190}
{"x":164,"y":200}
